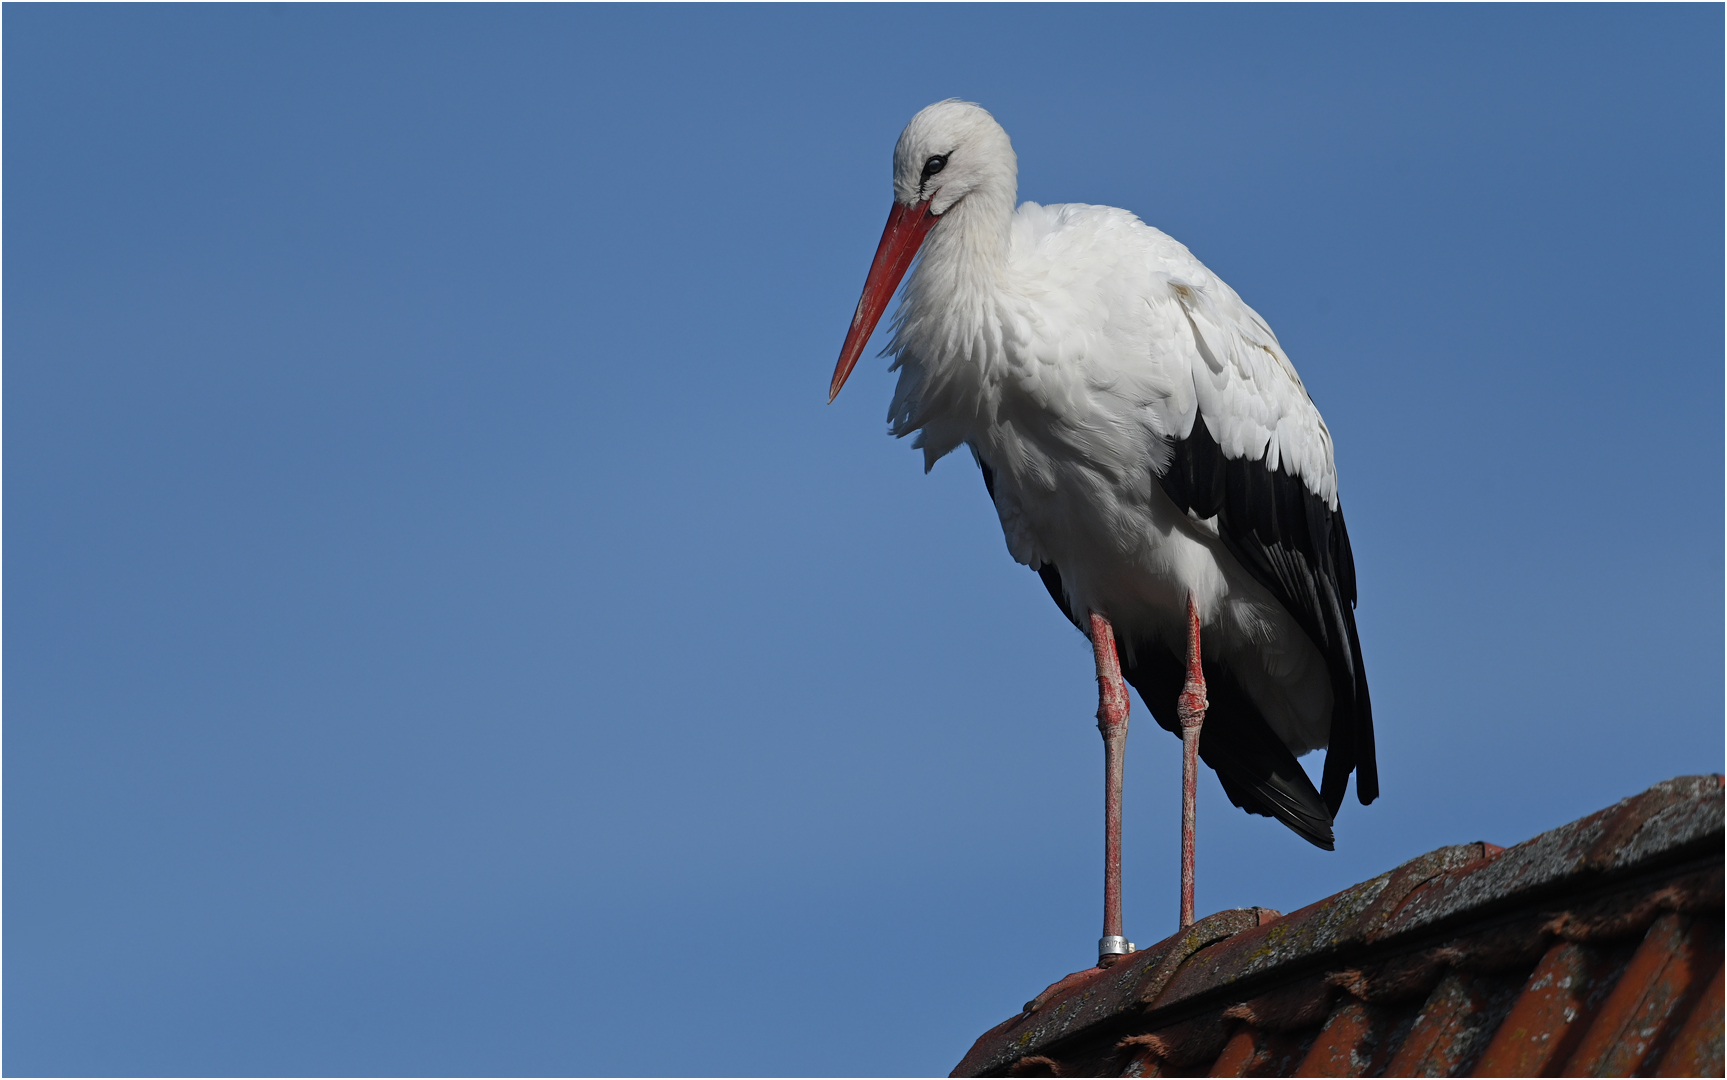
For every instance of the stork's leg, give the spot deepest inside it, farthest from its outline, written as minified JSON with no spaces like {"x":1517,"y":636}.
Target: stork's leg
{"x":1112,"y":722}
{"x":1190,"y":710}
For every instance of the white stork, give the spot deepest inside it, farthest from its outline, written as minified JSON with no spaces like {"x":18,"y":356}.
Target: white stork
{"x":1151,"y":453}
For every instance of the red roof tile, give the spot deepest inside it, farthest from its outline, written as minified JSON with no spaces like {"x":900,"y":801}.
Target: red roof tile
{"x":1594,"y":949}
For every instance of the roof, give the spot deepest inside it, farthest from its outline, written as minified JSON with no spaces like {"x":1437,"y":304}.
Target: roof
{"x":1594,"y":949}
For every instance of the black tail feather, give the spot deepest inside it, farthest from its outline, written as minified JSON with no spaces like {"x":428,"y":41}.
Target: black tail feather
{"x":1258,"y":772}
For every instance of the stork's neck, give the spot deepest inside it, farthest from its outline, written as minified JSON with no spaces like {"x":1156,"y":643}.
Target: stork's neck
{"x":963,"y":261}
{"x":949,"y":330}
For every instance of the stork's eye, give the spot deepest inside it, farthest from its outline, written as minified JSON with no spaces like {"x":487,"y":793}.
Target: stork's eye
{"x":933,"y":166}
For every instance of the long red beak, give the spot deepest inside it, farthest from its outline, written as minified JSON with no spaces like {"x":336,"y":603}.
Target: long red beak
{"x":906,"y":228}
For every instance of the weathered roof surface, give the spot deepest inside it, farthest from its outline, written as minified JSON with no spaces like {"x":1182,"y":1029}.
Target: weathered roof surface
{"x":1591,"y":950}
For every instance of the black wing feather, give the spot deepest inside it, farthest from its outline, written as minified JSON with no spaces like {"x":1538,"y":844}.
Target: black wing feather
{"x":1298,"y":548}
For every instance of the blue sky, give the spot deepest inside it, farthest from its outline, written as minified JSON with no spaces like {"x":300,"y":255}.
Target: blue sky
{"x":449,"y":632}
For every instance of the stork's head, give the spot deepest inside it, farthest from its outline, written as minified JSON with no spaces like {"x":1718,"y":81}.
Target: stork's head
{"x":950,"y":150}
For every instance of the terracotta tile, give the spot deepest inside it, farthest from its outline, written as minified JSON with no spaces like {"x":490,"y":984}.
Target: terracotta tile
{"x":1454,"y":1025}
{"x":1254,"y":1051}
{"x":1280,"y":1052}
{"x":1696,"y":1049}
{"x":1354,"y":1042}
{"x":1666,"y":975}
{"x":1142,"y":1063}
{"x":1238,"y":1054}
{"x":1555,"y":1008}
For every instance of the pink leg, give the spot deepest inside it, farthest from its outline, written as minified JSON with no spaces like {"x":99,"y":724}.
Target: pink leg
{"x":1112,"y":722}
{"x":1190,"y":710}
